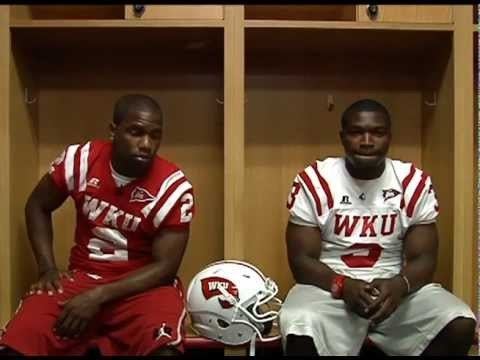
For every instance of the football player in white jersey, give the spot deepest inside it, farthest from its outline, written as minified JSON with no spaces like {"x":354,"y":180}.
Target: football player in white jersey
{"x":362,"y":245}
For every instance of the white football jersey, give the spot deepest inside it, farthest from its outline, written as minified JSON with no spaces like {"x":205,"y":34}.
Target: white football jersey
{"x":363,"y":222}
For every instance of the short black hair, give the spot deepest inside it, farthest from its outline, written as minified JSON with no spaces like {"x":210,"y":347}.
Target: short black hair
{"x":135,"y":102}
{"x":365,"y":105}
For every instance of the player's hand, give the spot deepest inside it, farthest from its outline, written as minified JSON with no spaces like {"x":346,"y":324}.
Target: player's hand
{"x":50,"y":282}
{"x":391,"y":293}
{"x":359,"y":296}
{"x":76,"y":314}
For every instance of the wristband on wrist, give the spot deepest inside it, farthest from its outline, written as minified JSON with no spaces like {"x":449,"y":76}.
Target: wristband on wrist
{"x":337,"y":286}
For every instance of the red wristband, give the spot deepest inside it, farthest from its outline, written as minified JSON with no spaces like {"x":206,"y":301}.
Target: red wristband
{"x":338,"y":282}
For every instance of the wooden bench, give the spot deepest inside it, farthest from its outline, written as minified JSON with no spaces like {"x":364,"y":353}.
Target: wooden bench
{"x":195,"y":343}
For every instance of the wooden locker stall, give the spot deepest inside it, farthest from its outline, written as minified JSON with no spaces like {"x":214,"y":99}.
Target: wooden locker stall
{"x":295,"y":105}
{"x":301,"y":75}
{"x":63,"y":84}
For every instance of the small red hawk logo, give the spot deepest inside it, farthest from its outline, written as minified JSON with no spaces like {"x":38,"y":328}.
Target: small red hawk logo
{"x":210,"y":288}
{"x":141,"y":195}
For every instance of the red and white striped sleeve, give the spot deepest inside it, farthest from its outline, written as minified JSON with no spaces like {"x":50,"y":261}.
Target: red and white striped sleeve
{"x":419,"y":201}
{"x":69,"y":169}
{"x":173,"y":204}
{"x":310,"y":198}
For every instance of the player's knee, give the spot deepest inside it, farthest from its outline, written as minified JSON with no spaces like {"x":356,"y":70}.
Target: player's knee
{"x":166,"y":351}
{"x":461,"y":329}
{"x":297,"y":314}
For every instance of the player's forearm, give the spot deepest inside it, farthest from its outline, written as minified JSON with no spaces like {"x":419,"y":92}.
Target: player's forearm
{"x":40,"y":234}
{"x":419,"y":271}
{"x":310,"y":271}
{"x":145,"y":278}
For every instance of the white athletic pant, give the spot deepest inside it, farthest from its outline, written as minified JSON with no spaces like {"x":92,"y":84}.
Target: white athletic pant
{"x":311,"y":311}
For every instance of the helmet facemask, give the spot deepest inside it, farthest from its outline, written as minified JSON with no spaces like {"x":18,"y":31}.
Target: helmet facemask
{"x":256,"y":312}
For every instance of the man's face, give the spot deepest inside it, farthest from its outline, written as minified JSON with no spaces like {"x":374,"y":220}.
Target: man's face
{"x":136,"y":141}
{"x":366,"y":139}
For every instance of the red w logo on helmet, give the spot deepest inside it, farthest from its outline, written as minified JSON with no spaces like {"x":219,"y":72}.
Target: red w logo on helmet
{"x":210,"y":288}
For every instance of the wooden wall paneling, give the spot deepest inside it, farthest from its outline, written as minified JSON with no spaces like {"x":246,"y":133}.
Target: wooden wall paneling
{"x":5,"y":259}
{"x":23,"y":165}
{"x":463,"y":260}
{"x":234,"y":152}
{"x":234,"y":159}
{"x":397,"y":46}
{"x":476,"y":184}
{"x":123,"y":41}
{"x":437,"y":150}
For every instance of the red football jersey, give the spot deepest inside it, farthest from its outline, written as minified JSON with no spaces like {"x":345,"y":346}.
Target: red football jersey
{"x":115,"y":225}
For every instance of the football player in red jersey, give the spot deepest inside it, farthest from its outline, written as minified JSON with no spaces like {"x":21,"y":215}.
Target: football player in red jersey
{"x":362,"y":245}
{"x":120,"y":293}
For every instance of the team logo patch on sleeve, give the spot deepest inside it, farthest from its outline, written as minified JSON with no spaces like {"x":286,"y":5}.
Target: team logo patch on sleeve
{"x":141,"y":195}
{"x":389,"y":194}
{"x":210,"y":288}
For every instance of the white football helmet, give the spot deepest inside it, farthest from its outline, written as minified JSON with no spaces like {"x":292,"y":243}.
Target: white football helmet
{"x":226,"y":301}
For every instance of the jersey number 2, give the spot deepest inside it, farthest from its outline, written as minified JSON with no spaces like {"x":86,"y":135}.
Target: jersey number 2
{"x":186,"y":208}
{"x":108,"y":245}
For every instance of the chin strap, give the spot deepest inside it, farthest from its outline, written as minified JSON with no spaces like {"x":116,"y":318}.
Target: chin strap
{"x":252,"y":345}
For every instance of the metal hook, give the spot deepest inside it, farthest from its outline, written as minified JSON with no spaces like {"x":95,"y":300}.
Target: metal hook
{"x":27,"y":100}
{"x":433,"y":102}
{"x":330,"y":102}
